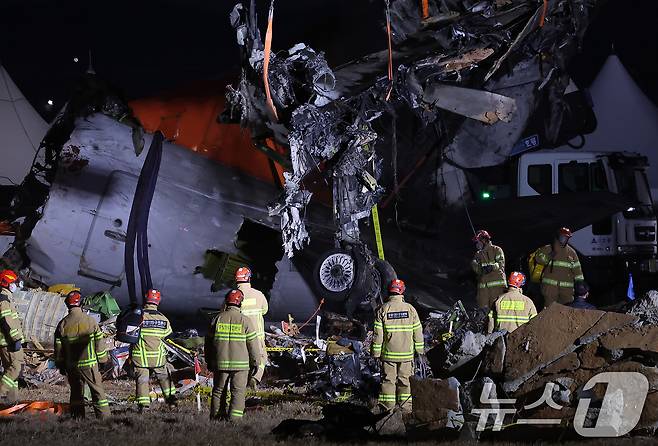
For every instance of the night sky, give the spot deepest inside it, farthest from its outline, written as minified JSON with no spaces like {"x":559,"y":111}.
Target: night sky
{"x":147,"y":47}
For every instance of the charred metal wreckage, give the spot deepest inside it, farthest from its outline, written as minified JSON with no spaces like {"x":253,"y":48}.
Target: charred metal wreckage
{"x":461,"y":83}
{"x":472,"y":75}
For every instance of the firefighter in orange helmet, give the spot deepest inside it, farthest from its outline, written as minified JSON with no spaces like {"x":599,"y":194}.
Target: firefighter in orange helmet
{"x":561,"y":269}
{"x":232,"y":349}
{"x":398,"y":334}
{"x":489,"y":266}
{"x":79,"y":349}
{"x":512,"y":309}
{"x":11,"y":336}
{"x":150,"y":355}
{"x":255,"y":307}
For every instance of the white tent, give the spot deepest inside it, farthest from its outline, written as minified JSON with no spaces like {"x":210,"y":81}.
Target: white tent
{"x":21,"y":131}
{"x":627,"y":119}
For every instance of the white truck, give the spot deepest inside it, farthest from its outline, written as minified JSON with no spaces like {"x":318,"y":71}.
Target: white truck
{"x":622,"y":243}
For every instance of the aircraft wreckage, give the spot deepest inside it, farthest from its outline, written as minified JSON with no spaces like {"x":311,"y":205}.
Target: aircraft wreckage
{"x":408,"y":129}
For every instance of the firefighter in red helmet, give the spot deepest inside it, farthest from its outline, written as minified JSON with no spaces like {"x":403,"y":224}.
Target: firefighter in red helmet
{"x":11,"y":336}
{"x":232,"y":349}
{"x":489,"y":266}
{"x":79,"y":349}
{"x":149,"y":354}
{"x":561,"y":269}
{"x":512,"y":309}
{"x":255,"y":307}
{"x":398,"y":334}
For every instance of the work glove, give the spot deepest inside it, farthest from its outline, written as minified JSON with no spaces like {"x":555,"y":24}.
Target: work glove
{"x":486,"y":269}
{"x":15,"y":347}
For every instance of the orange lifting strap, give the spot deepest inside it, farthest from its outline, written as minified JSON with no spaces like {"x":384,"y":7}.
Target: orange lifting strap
{"x":266,"y":62}
{"x":426,"y":9}
{"x":543,"y":14}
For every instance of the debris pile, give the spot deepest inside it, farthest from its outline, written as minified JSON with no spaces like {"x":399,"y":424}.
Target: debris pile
{"x":337,"y":368}
{"x":541,"y":373}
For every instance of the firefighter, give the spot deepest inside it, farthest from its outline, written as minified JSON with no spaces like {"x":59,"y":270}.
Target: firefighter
{"x":489,"y":266}
{"x":11,"y":337}
{"x":232,"y":349}
{"x":561,"y":269}
{"x":79,"y":349}
{"x":398,"y":334}
{"x":150,"y":355}
{"x":512,"y":309}
{"x":255,"y":307}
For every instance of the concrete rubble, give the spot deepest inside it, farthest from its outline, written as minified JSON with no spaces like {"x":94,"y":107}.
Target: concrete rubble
{"x":540,"y":372}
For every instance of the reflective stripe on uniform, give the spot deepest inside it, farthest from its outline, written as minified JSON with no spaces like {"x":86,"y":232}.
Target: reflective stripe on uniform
{"x":404,"y":397}
{"x":233,"y":365}
{"x":397,"y":356}
{"x":401,"y":327}
{"x":6,"y":380}
{"x":510,"y":318}
{"x":566,"y":264}
{"x":493,"y":283}
{"x":169,"y":391}
{"x":237,"y":413}
{"x":386,"y":397}
{"x":553,"y":282}
{"x":233,"y":332}
{"x":517,"y":305}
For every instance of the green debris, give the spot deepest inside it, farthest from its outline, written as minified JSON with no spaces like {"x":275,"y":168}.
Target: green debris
{"x":220,"y":267}
{"x":102,"y":303}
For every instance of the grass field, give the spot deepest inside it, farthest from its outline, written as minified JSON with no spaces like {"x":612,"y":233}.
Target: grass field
{"x":185,"y":426}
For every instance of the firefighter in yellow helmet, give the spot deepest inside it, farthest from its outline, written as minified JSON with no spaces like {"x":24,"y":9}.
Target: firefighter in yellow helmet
{"x":561,"y":269}
{"x":255,"y":307}
{"x":11,"y":337}
{"x":150,"y":355}
{"x":489,"y":266}
{"x":398,"y":335}
{"x":512,"y":309}
{"x":232,"y":349}
{"x":79,"y":349}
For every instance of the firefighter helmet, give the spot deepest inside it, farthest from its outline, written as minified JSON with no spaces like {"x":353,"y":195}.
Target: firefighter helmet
{"x":234,"y":297}
{"x":397,"y":286}
{"x":516,"y":279}
{"x":242,"y":274}
{"x":73,"y":299}
{"x":7,"y":277}
{"x":153,"y":297}
{"x":564,"y":232}
{"x":482,"y":236}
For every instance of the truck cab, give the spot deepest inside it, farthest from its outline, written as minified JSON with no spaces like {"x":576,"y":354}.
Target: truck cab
{"x":625,"y":241}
